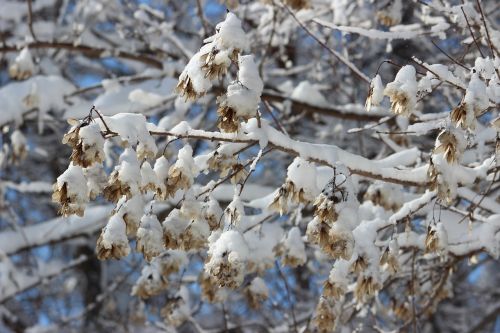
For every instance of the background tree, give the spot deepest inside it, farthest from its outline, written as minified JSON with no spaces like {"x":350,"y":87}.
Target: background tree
{"x":262,"y":166}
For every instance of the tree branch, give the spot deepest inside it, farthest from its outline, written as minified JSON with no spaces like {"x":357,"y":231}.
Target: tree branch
{"x":89,"y":51}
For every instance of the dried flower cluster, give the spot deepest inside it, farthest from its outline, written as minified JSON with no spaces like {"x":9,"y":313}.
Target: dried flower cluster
{"x":23,"y":66}
{"x":70,"y":191}
{"x":450,"y":143}
{"x":213,"y":59}
{"x":154,"y":276}
{"x":297,"y":188}
{"x":334,"y":238}
{"x":325,"y":318}
{"x":256,"y":292}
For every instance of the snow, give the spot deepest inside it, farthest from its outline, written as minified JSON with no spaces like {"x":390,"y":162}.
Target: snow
{"x":175,"y":222}
{"x":161,"y":169}
{"x":148,"y":176}
{"x":339,"y":273}
{"x":413,"y":206}
{"x":185,"y":162}
{"x":295,"y":245}
{"x":28,"y":187}
{"x":131,"y":97}
{"x":260,"y":242}
{"x":76,"y":185}
{"x":475,"y":95}
{"x":403,"y":91}
{"x":54,"y":230}
{"x":475,"y":198}
{"x":248,"y":74}
{"x":24,"y":280}
{"x":18,"y":141}
{"x":96,"y":179}
{"x":396,"y":32}
{"x":303,"y":175}
{"x":425,"y":127}
{"x":485,"y":67}
{"x":129,"y":171}
{"x":147,"y":98}
{"x":230,"y":35}
{"x":48,"y":95}
{"x":150,"y":236}
{"x":307,"y":93}
{"x":214,"y":58}
{"x":235,"y":210}
{"x":131,"y":128}
{"x":230,"y":246}
{"x":457,"y":238}
{"x":243,"y":95}
{"x":246,"y":243}
{"x":243,"y":100}
{"x":114,"y":234}
{"x":23,"y":66}
{"x":376,"y":94}
{"x":193,"y":71}
{"x":319,"y":153}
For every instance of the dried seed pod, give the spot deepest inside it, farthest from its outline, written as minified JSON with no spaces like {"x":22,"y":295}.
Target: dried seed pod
{"x":403,"y":91}
{"x":325,"y":318}
{"x":450,"y":143}
{"x":149,"y":237}
{"x":113,"y":242}
{"x":256,"y":292}
{"x":366,"y":287}
{"x":71,"y":191}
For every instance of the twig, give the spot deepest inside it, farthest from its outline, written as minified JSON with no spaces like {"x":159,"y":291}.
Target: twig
{"x":269,"y":43}
{"x":44,"y":278}
{"x":108,"y":131}
{"x":471,"y":32}
{"x":423,"y":65}
{"x":30,"y":19}
{"x":346,"y":62}
{"x":287,"y":288}
{"x":412,"y":291}
{"x":276,"y":121}
{"x":204,"y":22}
{"x":450,"y":57}
{"x":254,"y":163}
{"x":324,"y":110}
{"x":101,"y":297}
{"x":486,"y":28}
{"x":224,"y":317}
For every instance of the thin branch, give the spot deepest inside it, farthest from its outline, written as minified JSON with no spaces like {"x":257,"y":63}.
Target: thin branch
{"x":450,"y":57}
{"x":119,"y":281}
{"x":488,"y":319}
{"x":276,"y":121}
{"x":471,"y":32}
{"x":336,"y":112}
{"x":224,"y":318}
{"x":337,"y":55}
{"x":47,"y":275}
{"x":204,"y":22}
{"x":287,"y":288}
{"x":423,"y":65}
{"x":269,"y":43}
{"x":488,"y":37}
{"x":89,"y":51}
{"x":30,"y":20}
